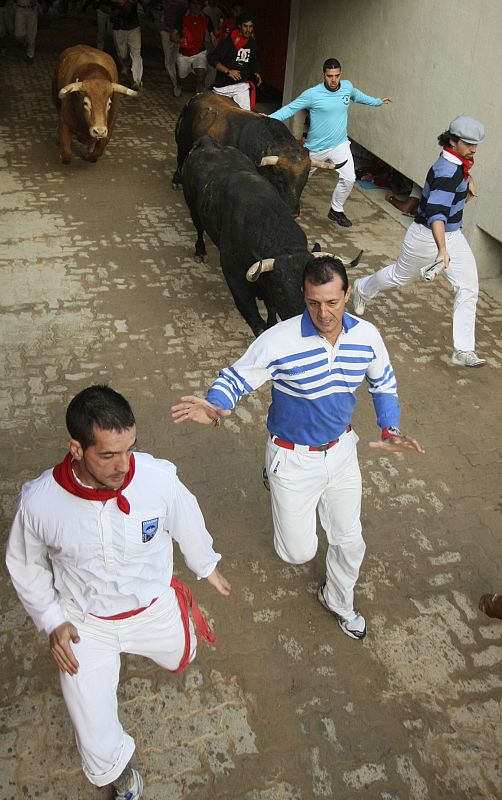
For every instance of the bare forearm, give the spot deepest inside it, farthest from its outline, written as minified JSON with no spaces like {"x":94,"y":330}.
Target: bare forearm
{"x":438,"y":232}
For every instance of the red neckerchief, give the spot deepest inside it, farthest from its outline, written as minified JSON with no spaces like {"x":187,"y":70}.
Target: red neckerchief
{"x":238,"y":40}
{"x":467,"y":162}
{"x":63,"y":474}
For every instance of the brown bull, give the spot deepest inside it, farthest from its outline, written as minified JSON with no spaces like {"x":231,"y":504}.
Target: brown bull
{"x":86,"y":94}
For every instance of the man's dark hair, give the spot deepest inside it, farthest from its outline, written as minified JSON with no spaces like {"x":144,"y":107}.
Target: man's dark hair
{"x":97,"y":406}
{"x":331,"y":63}
{"x":244,"y":16}
{"x":323,"y":269}
{"x":445,"y":139}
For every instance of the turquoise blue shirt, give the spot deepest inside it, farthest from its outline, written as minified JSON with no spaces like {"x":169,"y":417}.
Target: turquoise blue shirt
{"x":328,"y":113}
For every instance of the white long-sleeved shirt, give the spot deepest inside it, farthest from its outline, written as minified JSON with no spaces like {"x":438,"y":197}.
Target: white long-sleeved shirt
{"x":314,"y":383}
{"x":62,"y":547}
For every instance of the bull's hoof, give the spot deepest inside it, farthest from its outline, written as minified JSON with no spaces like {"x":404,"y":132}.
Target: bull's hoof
{"x":65,"y":160}
{"x":175,"y":185}
{"x":258,"y":331}
{"x":199,"y":259}
{"x":90,"y":158}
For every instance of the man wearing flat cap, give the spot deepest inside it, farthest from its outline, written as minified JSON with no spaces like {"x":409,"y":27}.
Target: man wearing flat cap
{"x":435,"y":241}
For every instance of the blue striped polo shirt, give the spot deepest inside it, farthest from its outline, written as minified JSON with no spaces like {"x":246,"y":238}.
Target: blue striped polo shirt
{"x":314,"y":383}
{"x":444,"y":194}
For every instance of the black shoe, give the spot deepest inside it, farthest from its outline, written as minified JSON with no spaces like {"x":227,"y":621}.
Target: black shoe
{"x":340,"y":218}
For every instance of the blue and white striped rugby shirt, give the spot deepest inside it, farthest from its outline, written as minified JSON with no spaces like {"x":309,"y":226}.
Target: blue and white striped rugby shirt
{"x":313,"y":383}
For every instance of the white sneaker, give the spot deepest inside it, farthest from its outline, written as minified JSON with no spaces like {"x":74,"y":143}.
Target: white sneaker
{"x":358,"y":304}
{"x":135,"y":789}
{"x":177,"y":91}
{"x":467,"y":358}
{"x":354,"y":625}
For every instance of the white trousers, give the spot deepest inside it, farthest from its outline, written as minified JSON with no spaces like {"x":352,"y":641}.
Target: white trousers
{"x":104,"y":28}
{"x":330,"y":481}
{"x":346,"y":174}
{"x":419,"y":249}
{"x":129,"y":43}
{"x":91,"y":695}
{"x":25,"y":27}
{"x":171,"y":50}
{"x":239,"y":93}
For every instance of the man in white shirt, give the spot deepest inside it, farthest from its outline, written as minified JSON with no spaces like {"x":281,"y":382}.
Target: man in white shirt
{"x":316,"y":362}
{"x":90,"y":554}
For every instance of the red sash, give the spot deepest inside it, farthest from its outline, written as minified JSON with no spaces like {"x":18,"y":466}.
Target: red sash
{"x":203,"y":631}
{"x":185,"y":600}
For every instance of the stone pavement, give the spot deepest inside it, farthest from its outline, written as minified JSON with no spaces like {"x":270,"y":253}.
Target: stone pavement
{"x":99,"y":284}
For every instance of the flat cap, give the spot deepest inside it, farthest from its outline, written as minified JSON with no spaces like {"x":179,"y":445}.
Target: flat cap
{"x":468,"y":129}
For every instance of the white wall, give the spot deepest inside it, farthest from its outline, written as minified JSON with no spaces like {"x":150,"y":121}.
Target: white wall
{"x":435,"y":58}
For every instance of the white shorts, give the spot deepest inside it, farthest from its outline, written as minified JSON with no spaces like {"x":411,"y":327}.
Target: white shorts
{"x":188,"y":64}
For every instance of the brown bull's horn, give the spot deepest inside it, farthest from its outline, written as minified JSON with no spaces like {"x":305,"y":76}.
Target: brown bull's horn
{"x":69,"y":88}
{"x":256,"y":269}
{"x":117,"y":87}
{"x":326,"y":164}
{"x":268,"y":161}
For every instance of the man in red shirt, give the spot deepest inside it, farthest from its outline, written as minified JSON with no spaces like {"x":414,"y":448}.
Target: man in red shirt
{"x":228,"y":24}
{"x":191,"y":35}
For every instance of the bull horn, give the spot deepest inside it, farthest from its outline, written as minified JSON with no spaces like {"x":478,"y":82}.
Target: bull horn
{"x":119,"y":89}
{"x":326,"y":164}
{"x":268,"y":161}
{"x":355,"y":261}
{"x":256,"y":269}
{"x":69,"y":89}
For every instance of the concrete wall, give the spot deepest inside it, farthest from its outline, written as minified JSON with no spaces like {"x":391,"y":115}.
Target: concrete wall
{"x":436,"y":60}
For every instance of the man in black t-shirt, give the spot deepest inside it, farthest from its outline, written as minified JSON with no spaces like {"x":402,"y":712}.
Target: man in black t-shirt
{"x":236,"y":63}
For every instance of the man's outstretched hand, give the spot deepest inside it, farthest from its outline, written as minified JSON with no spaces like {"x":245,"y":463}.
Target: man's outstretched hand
{"x":198,"y":410}
{"x":398,"y":444}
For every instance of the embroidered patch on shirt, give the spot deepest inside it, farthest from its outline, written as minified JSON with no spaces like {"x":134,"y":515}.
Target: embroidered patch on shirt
{"x":149,"y":528}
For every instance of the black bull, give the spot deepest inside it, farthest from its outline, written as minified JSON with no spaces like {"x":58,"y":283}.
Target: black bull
{"x":267,"y":142}
{"x":249,"y":223}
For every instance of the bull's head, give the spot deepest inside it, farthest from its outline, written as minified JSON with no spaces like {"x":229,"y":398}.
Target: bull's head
{"x":96,"y":101}
{"x":289,"y":175}
{"x":283,"y":280}
{"x":268,"y":264}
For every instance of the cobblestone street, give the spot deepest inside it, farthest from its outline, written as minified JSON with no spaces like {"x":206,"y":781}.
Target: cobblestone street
{"x":99,"y":284}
